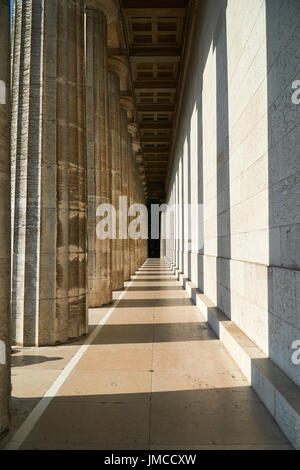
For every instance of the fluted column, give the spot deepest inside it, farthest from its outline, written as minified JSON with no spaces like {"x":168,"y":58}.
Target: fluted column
{"x":116,"y":189}
{"x":143,"y":243}
{"x":131,"y":201}
{"x":135,"y":198}
{"x":141,"y":240}
{"x":99,"y":250}
{"x":71,"y":172}
{"x":26,"y":135}
{"x":15,"y":72}
{"x":49,"y":261}
{"x":141,"y":260}
{"x":125,"y":189}
{"x":5,"y":247}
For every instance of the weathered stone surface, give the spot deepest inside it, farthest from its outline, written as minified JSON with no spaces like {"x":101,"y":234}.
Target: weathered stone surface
{"x":4,"y":216}
{"x":238,"y":147}
{"x":48,"y":173}
{"x":116,"y":188}
{"x":98,"y":173}
{"x":125,"y":191}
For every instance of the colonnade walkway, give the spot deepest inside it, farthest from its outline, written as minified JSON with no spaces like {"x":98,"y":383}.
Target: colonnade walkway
{"x":154,"y":377}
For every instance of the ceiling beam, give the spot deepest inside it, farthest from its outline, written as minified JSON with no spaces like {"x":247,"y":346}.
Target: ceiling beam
{"x":150,"y":164}
{"x":155,"y":164}
{"x":155,"y":140}
{"x":156,"y":176}
{"x":162,"y":85}
{"x":154,"y":12}
{"x":155,"y":125}
{"x":155,"y":108}
{"x":155,"y":151}
{"x":153,"y":161}
{"x":154,"y":3}
{"x":160,"y":57}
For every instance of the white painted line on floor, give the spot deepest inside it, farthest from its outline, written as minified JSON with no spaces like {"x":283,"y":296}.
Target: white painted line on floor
{"x":25,"y":429}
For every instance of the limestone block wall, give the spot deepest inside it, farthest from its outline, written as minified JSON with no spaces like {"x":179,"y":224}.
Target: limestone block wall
{"x":283,"y":39}
{"x":4,"y":214}
{"x":236,"y":154}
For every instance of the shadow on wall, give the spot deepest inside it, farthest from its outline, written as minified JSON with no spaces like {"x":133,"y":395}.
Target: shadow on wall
{"x":223,"y":199}
{"x":222,"y":167}
{"x":283,"y":62}
{"x":194,"y":268}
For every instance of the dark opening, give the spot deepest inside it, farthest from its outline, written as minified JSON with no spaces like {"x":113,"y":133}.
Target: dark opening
{"x":153,"y":244}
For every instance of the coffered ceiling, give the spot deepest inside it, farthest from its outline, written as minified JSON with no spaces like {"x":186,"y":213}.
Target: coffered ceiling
{"x":155,"y":32}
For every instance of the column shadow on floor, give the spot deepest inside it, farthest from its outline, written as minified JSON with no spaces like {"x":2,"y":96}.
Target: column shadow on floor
{"x":157,"y":279}
{"x":225,"y":417}
{"x":144,"y":303}
{"x":154,"y":333}
{"x":155,"y":288}
{"x":20,"y":361}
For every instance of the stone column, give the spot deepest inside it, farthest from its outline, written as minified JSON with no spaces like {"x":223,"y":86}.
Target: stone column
{"x":5,"y":246}
{"x":117,"y":81}
{"x":135,"y":191}
{"x":125,"y":189}
{"x":180,"y":216}
{"x":143,"y":186}
{"x":177,"y":226}
{"x":131,"y":200}
{"x":126,"y":119}
{"x":141,"y":200}
{"x":163,"y":236}
{"x":15,"y":74}
{"x":144,"y":241}
{"x":136,"y":149}
{"x":49,"y":261}
{"x":99,"y":251}
{"x":26,"y":143}
{"x":140,"y":240}
{"x":116,"y":189}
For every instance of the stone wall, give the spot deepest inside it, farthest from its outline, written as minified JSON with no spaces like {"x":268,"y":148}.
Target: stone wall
{"x":237,"y":153}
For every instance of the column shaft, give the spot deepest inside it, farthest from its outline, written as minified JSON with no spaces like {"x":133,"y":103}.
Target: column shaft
{"x":49,"y":178}
{"x":97,"y":153}
{"x":135,"y":189}
{"x":5,"y":247}
{"x":131,"y":201}
{"x":116,"y":190}
{"x":125,"y":190}
{"x":71,"y":171}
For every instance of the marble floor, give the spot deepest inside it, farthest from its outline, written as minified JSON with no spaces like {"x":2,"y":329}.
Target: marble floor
{"x":154,"y":376}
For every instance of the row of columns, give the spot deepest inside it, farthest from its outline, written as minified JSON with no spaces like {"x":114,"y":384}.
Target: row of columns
{"x":70,"y":152}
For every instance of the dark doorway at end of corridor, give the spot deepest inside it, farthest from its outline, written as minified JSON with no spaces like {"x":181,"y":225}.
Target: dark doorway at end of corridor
{"x":153,"y":243}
